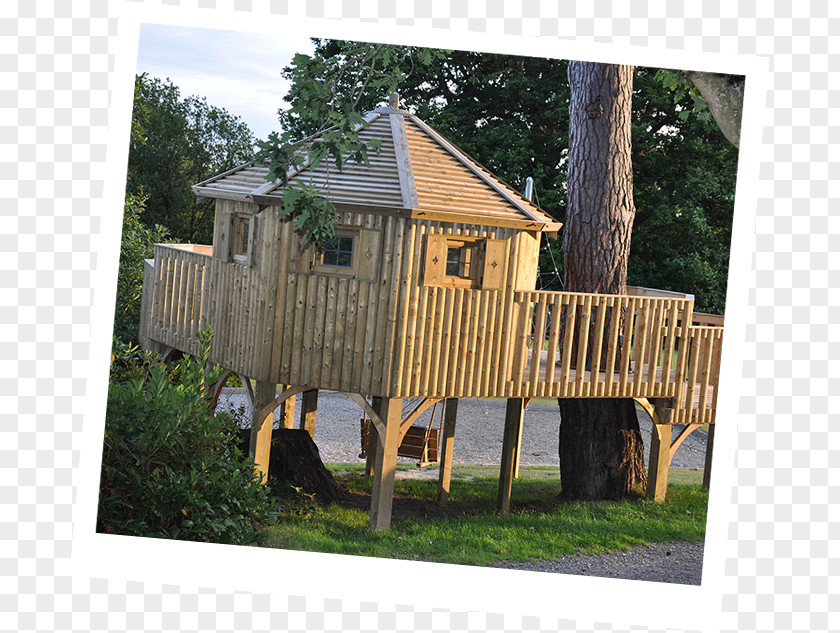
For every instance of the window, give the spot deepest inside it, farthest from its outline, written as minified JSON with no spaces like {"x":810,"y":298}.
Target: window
{"x":242,"y":238}
{"x":339,"y":252}
{"x":339,"y":256}
{"x":464,"y":262}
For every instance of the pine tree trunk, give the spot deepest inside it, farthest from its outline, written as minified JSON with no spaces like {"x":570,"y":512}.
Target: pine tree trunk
{"x":601,"y":448}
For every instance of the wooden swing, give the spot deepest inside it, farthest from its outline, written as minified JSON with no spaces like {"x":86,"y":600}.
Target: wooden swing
{"x":419,"y":442}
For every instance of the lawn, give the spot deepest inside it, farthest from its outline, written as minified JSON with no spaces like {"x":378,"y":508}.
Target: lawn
{"x":468,"y":531}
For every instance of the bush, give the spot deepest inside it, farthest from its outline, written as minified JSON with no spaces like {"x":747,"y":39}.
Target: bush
{"x":169,"y":469}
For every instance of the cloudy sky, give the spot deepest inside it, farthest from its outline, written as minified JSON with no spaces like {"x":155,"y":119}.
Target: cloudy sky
{"x":237,"y":71}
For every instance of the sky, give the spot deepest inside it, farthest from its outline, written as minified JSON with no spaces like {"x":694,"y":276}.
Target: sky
{"x":237,"y":71}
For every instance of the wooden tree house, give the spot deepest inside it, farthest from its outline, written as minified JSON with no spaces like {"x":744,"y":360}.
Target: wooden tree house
{"x":428,"y":292}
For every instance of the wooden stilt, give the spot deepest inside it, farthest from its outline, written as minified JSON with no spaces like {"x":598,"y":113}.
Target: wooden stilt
{"x":517,"y":452}
{"x":707,"y":469}
{"x":287,"y":420}
{"x":446,"y":449}
{"x":261,"y":427}
{"x":373,"y":441}
{"x":513,"y":427}
{"x":659,"y":461}
{"x":385,"y":463}
{"x":309,"y":411}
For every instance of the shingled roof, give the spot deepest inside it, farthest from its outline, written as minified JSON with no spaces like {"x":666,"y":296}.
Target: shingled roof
{"x":417,"y":174}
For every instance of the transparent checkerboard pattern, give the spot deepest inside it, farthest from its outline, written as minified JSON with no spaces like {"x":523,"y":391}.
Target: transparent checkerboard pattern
{"x":782,"y":550}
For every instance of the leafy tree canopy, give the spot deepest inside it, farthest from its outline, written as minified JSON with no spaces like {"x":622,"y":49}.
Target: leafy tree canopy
{"x":175,"y":143}
{"x":511,"y":114}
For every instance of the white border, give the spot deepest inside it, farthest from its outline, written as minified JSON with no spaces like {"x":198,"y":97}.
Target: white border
{"x":426,"y":586}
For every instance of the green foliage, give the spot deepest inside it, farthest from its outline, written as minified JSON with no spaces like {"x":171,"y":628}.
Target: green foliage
{"x":512,"y":115}
{"x":169,"y":469}
{"x":327,"y":94}
{"x":684,"y":189}
{"x":137,"y":245}
{"x":177,"y":143}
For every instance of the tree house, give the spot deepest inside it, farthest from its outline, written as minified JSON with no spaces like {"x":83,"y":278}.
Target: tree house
{"x":427,"y":292}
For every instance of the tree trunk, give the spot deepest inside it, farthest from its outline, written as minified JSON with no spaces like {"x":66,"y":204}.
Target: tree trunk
{"x":601,"y":448}
{"x":295,"y":459}
{"x":724,"y":95}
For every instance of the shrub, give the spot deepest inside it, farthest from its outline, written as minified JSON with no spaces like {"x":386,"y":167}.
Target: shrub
{"x":169,"y":469}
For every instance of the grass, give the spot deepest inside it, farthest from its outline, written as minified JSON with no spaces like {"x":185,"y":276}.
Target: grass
{"x":469,"y":532}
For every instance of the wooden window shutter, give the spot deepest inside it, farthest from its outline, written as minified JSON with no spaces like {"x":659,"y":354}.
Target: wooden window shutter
{"x":367,"y":255}
{"x":222,"y":247}
{"x":435,"y":268}
{"x":494,"y":264}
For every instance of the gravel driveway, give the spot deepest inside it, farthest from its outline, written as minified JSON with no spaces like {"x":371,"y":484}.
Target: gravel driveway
{"x":478,"y":440}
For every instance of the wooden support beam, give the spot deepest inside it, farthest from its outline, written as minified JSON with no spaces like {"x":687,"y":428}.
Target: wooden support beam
{"x":518,"y":448}
{"x":707,"y":469}
{"x":373,"y":442}
{"x":289,"y":392}
{"x":309,"y":411}
{"x":288,"y":418}
{"x":446,"y":449}
{"x":659,"y":461}
{"x":513,"y":426}
{"x":261,"y":424}
{"x":385,"y":463}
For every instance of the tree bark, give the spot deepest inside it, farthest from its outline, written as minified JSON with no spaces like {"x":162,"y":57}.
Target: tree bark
{"x":601,"y":449}
{"x":724,"y":94}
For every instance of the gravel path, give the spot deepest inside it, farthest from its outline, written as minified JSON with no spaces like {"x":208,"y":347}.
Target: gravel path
{"x":478,"y":440}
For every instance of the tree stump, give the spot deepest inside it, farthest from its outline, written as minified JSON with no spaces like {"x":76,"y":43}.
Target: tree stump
{"x":295,"y":459}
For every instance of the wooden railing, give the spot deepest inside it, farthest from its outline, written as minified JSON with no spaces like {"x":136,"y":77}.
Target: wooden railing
{"x":175,"y":295}
{"x":573,"y":345}
{"x":696,"y":400}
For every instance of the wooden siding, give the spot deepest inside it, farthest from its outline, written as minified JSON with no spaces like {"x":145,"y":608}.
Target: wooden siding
{"x":393,"y":334}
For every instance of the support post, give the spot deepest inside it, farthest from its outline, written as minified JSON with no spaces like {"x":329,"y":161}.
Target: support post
{"x":513,"y":427}
{"x":309,"y":411}
{"x":385,"y":463}
{"x":659,"y":461}
{"x":373,"y":440}
{"x":447,"y":444}
{"x":260,"y":447}
{"x":707,"y":468}
{"x":517,"y":452}
{"x":288,"y":417}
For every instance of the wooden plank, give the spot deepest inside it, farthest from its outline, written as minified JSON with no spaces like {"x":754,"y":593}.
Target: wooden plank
{"x":351,"y":327}
{"x":333,"y":380}
{"x":659,"y":461}
{"x":406,"y":317}
{"x":434,"y":269}
{"x":385,"y":463}
{"x":309,"y":411}
{"x":553,"y":340}
{"x":454,"y":361}
{"x":513,"y":422}
{"x":627,"y":343}
{"x":296,"y":340}
{"x":440,"y":371}
{"x":447,"y":448}
{"x":323,"y":357}
{"x":568,"y":345}
{"x":369,"y":254}
{"x":494,"y":268}
{"x":536,"y":347}
{"x":597,"y":347}
{"x":640,"y":344}
{"x":261,"y":423}
{"x":483,"y":338}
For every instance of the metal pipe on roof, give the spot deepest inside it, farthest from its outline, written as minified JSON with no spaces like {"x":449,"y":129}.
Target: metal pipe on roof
{"x":529,"y":189}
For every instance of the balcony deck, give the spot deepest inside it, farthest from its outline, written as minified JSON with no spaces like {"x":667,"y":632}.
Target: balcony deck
{"x":647,"y":345}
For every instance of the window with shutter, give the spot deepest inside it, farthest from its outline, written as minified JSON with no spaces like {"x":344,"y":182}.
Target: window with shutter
{"x":464,"y":262}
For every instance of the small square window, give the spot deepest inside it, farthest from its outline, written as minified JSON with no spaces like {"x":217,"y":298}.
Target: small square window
{"x":339,"y":256}
{"x":339,"y":252}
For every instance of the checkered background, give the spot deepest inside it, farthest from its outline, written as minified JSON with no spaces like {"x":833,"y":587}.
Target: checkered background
{"x":55,"y":60}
